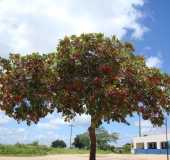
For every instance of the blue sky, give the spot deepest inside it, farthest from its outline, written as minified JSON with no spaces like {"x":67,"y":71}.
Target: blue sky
{"x":36,"y":25}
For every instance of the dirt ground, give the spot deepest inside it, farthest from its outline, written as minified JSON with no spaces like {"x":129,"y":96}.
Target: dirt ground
{"x":85,"y":157}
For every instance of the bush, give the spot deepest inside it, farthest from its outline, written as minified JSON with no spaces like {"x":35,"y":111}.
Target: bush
{"x":108,"y":147}
{"x":58,"y":144}
{"x":35,"y":143}
{"x":82,"y":141}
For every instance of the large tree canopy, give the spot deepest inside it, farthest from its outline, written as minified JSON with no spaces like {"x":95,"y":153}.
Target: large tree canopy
{"x":103,"y":77}
{"x":91,"y":74}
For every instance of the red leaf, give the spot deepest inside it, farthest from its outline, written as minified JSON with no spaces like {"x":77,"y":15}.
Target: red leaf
{"x":105,"y":69}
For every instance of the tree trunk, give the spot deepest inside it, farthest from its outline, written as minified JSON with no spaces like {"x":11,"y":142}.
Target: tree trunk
{"x":92,"y":134}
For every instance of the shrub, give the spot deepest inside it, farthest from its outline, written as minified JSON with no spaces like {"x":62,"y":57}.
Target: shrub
{"x":58,"y":144}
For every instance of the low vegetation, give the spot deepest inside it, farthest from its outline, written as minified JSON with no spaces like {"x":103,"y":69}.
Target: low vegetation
{"x":40,"y":150}
{"x":81,"y":145}
{"x":23,"y":150}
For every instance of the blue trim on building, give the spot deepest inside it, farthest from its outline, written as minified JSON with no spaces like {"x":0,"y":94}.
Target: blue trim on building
{"x":151,"y":151}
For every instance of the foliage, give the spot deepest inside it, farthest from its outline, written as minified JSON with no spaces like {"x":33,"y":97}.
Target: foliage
{"x":103,"y":140}
{"x":89,"y":74}
{"x":23,"y":150}
{"x":102,"y":77}
{"x":35,"y":143}
{"x":126,"y":148}
{"x":58,"y":144}
{"x":82,"y":141}
{"x":29,"y":150}
{"x":24,"y":93}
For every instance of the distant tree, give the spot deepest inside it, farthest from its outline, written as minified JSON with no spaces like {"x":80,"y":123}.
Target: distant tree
{"x":35,"y":143}
{"x":82,"y":141}
{"x":58,"y":144}
{"x":19,"y":144}
{"x":103,"y":139}
{"x":126,"y":148}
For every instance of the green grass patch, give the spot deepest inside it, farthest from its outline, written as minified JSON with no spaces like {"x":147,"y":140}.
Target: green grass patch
{"x":23,"y":150}
{"x":38,"y":150}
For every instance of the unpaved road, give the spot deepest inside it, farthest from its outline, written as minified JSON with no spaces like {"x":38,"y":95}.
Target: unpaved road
{"x":85,"y":157}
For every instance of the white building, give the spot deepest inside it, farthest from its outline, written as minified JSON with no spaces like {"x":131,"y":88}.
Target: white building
{"x":152,"y":144}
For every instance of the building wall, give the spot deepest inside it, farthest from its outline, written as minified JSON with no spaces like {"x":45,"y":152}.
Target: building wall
{"x":141,"y":145}
{"x":151,"y":151}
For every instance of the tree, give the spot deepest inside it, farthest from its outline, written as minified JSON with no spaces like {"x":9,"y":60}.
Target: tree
{"x":91,"y":74}
{"x":82,"y":141}
{"x":58,"y":144}
{"x":127,"y":148}
{"x":102,"y":77}
{"x":35,"y":143}
{"x":103,"y":139}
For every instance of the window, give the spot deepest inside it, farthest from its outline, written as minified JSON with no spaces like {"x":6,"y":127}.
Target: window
{"x":163,"y":145}
{"x":152,"y":145}
{"x":139,"y":145}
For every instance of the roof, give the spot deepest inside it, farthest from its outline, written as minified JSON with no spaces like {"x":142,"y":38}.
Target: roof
{"x":151,"y":138}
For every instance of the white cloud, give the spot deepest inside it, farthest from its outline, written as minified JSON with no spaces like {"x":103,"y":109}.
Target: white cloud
{"x":143,"y":123}
{"x":12,"y":135}
{"x":55,"y":122}
{"x":27,"y":134}
{"x":4,"y":119}
{"x":138,"y":32}
{"x":154,"y":62}
{"x":82,"y":120}
{"x":148,"y":129}
{"x":29,"y":25}
{"x":147,"y":48}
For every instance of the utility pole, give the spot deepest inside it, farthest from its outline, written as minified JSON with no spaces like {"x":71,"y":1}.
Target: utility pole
{"x":167,"y":147}
{"x":71,"y":132}
{"x":140,"y":134}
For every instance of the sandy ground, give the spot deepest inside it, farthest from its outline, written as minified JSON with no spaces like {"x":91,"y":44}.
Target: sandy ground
{"x":85,"y":157}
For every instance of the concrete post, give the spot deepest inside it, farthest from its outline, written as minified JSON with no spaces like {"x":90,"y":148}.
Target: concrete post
{"x":158,"y":145}
{"x":145,"y":145}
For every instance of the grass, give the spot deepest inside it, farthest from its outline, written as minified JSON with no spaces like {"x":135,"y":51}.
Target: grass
{"x":38,"y":150}
{"x":23,"y":150}
{"x":67,"y":151}
{"x":74,"y":151}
